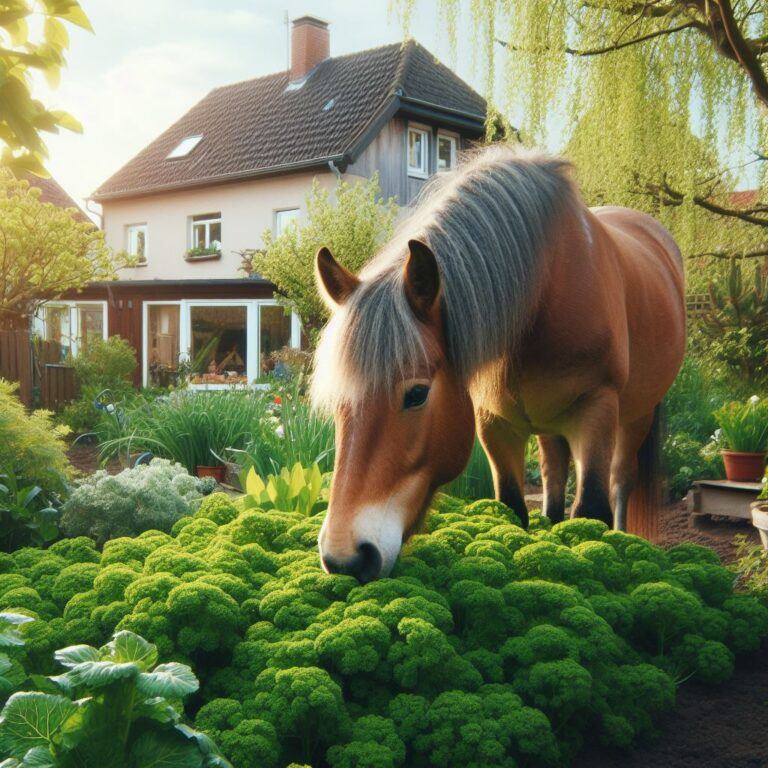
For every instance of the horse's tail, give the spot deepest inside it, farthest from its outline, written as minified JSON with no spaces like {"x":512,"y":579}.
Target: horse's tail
{"x":645,"y":500}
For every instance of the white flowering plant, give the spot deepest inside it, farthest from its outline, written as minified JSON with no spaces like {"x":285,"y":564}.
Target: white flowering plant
{"x":151,"y":496}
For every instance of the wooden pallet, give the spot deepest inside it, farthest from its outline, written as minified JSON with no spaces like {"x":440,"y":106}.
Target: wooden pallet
{"x":722,"y":498}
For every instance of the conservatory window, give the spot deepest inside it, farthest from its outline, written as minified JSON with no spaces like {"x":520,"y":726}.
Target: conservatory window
{"x":163,"y":343}
{"x":57,"y":326}
{"x":275,"y":334}
{"x":219,"y":344}
{"x":90,"y":324}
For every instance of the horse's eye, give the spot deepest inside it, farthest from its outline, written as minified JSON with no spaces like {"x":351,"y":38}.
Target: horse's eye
{"x":415,"y":397}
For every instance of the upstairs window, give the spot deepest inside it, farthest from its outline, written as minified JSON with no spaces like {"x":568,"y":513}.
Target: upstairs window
{"x":446,"y":152}
{"x":136,"y":242}
{"x":206,"y":234}
{"x":418,"y":152}
{"x":184,"y":147}
{"x":284,"y":219}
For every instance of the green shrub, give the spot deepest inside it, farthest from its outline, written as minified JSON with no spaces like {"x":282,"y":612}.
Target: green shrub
{"x":102,"y":365}
{"x":33,"y":446}
{"x":490,"y":645}
{"x":150,"y":496}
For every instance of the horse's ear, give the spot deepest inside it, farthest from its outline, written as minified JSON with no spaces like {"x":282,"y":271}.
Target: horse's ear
{"x":422,"y":280}
{"x":334,"y":282}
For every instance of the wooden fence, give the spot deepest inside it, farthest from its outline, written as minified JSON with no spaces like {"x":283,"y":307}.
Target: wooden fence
{"x":44,"y":380}
{"x":16,"y":362}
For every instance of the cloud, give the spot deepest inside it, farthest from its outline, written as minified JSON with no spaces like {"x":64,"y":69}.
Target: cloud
{"x":126,"y":106}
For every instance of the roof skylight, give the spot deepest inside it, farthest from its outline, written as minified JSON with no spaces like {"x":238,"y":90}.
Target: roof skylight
{"x":184,"y":147}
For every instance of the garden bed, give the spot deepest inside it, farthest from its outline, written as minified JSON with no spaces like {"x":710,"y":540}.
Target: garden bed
{"x":709,"y":727}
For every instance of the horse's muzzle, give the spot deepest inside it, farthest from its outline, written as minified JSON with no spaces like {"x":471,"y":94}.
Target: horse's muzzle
{"x":364,"y":565}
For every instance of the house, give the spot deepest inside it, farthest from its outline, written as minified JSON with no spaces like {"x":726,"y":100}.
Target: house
{"x":242,"y":161}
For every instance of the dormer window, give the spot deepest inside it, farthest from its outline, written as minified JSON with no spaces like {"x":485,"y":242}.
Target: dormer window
{"x":184,"y":147}
{"x":418,"y":152}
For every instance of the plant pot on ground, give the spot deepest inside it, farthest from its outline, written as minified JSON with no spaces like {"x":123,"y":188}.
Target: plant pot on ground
{"x":218,"y":472}
{"x":742,"y":437}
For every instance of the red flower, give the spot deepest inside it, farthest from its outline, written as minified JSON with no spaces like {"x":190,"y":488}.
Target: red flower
{"x":278,"y":400}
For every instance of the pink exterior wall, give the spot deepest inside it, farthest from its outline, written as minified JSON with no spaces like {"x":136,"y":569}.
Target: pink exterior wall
{"x":247,"y":209}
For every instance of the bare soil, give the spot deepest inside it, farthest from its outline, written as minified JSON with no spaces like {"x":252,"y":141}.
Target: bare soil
{"x":84,"y":457}
{"x":675,"y":527}
{"x":724,"y":727}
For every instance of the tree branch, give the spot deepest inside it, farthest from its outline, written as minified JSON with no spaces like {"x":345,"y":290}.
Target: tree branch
{"x":744,"y":54}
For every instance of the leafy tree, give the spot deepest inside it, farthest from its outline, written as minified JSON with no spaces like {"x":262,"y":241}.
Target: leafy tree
{"x":733,"y":330}
{"x":22,"y":117}
{"x":352,"y":222}
{"x":648,"y":89}
{"x":44,"y":251}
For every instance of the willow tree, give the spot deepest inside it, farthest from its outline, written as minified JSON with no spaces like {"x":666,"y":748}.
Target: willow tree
{"x":664,"y":102}
{"x":33,"y":39}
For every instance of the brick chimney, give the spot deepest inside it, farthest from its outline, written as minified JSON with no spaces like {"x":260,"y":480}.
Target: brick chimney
{"x":310,"y":44}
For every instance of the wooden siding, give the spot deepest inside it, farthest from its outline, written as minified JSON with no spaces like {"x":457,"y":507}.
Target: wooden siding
{"x":387,"y":155}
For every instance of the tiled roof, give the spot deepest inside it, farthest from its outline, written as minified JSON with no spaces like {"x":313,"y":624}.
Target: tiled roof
{"x":744,"y":198}
{"x":260,"y":126}
{"x":52,"y":192}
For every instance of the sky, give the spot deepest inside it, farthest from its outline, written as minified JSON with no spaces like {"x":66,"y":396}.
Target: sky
{"x":149,"y":61}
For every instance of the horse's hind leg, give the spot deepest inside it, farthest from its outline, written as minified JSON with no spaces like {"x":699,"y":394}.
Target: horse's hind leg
{"x":629,"y":438}
{"x":554,"y":457}
{"x":591,"y":433}
{"x":505,"y":449}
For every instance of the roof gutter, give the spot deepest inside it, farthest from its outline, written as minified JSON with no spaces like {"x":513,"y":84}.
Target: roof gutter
{"x":274,"y":170}
{"x":466,"y":120}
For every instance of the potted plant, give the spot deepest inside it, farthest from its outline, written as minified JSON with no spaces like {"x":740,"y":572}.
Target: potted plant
{"x":743,"y":438}
{"x":760,"y":512}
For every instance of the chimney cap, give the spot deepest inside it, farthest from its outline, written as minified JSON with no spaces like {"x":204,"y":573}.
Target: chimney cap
{"x":308,"y":18}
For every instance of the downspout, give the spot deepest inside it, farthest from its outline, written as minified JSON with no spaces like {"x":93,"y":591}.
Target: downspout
{"x":335,"y":169}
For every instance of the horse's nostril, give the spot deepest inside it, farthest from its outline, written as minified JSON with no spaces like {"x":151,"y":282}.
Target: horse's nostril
{"x":365,"y":566}
{"x":331,"y":565}
{"x":369,"y":563}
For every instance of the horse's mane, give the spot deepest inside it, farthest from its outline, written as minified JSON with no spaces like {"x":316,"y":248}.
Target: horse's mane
{"x":487,"y":224}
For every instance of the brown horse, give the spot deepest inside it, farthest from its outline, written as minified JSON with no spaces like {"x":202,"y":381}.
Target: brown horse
{"x":504,"y":305}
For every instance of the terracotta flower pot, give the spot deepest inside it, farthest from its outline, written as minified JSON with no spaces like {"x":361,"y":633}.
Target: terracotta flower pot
{"x":218,"y":472}
{"x":743,"y":467}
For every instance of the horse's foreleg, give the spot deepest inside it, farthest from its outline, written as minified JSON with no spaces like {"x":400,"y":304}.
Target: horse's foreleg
{"x":554,"y":457}
{"x":591,"y":433}
{"x":505,"y":449}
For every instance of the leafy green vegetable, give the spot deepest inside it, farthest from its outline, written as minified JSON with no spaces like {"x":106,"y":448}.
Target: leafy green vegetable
{"x":490,"y":645}
{"x":121,"y":718}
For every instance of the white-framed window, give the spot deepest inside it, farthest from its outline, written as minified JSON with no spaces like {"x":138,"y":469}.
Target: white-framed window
{"x":205,"y":232}
{"x":447,"y":146}
{"x":224,"y":342}
{"x":284,"y":219}
{"x":72,"y":324}
{"x":184,"y":147}
{"x":136,"y":241}
{"x":418,"y":151}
